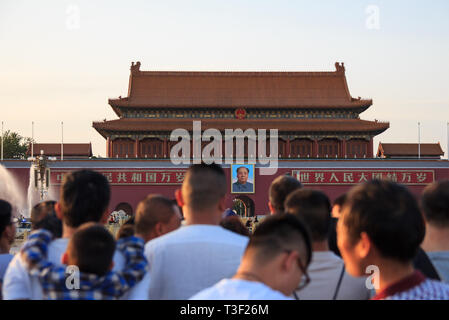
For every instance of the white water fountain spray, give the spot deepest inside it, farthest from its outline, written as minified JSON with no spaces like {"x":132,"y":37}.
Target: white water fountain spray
{"x":11,"y":192}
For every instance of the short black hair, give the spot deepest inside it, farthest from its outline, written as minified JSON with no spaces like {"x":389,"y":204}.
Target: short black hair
{"x":43,"y":216}
{"x":234,"y":224}
{"x":340,"y":200}
{"x":278,"y":233}
{"x":390,"y":216}
{"x":204,"y":185}
{"x":92,"y":247}
{"x":40,"y":210}
{"x":51,"y":223}
{"x":5,"y":215}
{"x":313,"y":208}
{"x":280,"y":188}
{"x":247,"y":170}
{"x":85,"y":196}
{"x":435,"y":203}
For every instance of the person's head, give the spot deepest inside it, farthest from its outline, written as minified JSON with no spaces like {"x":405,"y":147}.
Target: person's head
{"x":435,"y":204}
{"x":280,"y":188}
{"x":338,"y":205}
{"x":7,"y":226}
{"x":234,"y":224}
{"x":127,"y":229}
{"x":156,"y":215}
{"x":41,"y":210}
{"x":91,"y":248}
{"x":380,"y":224}
{"x":313,"y":208}
{"x":43,"y":216}
{"x":280,"y":249}
{"x":203,"y":192}
{"x":84,"y":197}
{"x":242,"y":174}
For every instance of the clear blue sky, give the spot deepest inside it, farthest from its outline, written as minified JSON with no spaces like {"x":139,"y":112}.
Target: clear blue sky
{"x":55,"y":67}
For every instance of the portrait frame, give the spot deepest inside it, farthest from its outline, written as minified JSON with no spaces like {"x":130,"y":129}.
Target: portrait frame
{"x":251,"y":177}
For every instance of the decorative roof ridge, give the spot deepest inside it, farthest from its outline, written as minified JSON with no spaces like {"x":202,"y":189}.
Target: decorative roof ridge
{"x":256,"y":120}
{"x":410,"y":143}
{"x":124,"y":102}
{"x":239,"y":73}
{"x":339,"y":71}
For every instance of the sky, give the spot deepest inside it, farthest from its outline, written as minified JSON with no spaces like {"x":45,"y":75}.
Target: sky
{"x":60,"y":61}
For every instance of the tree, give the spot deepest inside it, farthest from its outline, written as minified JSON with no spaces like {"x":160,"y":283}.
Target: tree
{"x":14,"y":145}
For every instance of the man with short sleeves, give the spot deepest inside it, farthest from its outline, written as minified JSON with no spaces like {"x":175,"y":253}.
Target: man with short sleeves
{"x":201,"y":252}
{"x":273,"y":266}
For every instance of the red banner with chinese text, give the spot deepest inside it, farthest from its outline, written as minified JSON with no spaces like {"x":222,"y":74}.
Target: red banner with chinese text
{"x":408,"y":177}
{"x":132,"y":177}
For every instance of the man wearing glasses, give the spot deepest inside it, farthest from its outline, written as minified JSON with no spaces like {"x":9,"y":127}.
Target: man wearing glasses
{"x":273,"y":266}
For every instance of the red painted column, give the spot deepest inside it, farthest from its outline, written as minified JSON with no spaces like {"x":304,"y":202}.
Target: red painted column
{"x":137,"y":146}
{"x":165,"y":148}
{"x":111,"y":148}
{"x":345,"y":153}
{"x":108,"y":147}
{"x":340,"y":149}
{"x":370,"y":149}
{"x":315,"y":148}
{"x":287,"y":147}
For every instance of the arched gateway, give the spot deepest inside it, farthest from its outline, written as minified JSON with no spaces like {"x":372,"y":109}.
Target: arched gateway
{"x":244,"y":206}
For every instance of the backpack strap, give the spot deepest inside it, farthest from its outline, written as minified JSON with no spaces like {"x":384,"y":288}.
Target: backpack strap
{"x":339,"y":282}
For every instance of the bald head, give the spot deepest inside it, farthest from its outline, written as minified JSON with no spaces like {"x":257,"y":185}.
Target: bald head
{"x":156,"y":215}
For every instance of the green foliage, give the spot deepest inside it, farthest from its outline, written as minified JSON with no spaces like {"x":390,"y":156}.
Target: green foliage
{"x":14,"y":145}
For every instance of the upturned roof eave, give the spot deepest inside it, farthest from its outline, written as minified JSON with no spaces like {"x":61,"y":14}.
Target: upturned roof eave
{"x":358,"y":104}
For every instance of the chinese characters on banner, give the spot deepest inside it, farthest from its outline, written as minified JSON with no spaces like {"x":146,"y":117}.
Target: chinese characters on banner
{"x":134,"y":177}
{"x":408,"y":177}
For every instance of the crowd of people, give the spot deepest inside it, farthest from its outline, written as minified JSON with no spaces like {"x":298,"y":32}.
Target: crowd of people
{"x":374,"y":242}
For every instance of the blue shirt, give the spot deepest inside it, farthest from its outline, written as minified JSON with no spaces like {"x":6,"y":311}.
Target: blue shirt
{"x":238,"y":187}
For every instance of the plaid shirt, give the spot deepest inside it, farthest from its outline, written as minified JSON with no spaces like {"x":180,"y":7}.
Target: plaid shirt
{"x":415,"y":287}
{"x":57,"y":284}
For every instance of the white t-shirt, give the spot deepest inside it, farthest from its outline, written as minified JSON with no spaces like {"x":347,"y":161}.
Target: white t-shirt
{"x":18,"y":284}
{"x":192,"y":258}
{"x":324,"y":271}
{"x":238,"y":289}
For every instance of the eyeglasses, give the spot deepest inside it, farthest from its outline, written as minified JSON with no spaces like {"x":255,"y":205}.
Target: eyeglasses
{"x":305,"y":279}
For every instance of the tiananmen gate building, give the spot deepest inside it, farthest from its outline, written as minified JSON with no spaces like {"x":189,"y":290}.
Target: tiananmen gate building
{"x":321,"y":139}
{"x":313,"y":111}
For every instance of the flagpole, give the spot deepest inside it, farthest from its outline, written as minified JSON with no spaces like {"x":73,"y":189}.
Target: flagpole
{"x":62,"y":140}
{"x":419,"y":140}
{"x":2,"y":140}
{"x":32,"y":138}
